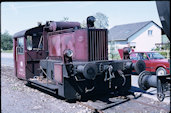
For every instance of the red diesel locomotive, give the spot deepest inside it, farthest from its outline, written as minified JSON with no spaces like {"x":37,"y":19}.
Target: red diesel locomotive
{"x":70,"y":61}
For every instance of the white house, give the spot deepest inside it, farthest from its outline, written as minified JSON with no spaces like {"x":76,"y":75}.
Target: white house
{"x":140,"y":36}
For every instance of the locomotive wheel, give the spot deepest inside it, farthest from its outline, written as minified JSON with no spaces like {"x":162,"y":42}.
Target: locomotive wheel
{"x":139,"y":66}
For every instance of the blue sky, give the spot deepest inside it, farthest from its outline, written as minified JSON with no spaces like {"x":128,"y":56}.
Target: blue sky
{"x":17,"y":16}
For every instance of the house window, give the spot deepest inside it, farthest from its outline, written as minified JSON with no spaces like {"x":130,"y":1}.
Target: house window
{"x":150,"y":32}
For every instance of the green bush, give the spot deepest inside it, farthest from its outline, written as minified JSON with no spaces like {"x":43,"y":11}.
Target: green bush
{"x":114,"y":56}
{"x":164,"y":54}
{"x":6,"y":41}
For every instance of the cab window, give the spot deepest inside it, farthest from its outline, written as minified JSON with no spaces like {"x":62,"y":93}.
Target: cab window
{"x":34,"y":42}
{"x":29,"y":43}
{"x":20,"y":45}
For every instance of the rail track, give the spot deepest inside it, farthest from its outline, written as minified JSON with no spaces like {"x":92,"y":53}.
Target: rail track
{"x":102,"y":106}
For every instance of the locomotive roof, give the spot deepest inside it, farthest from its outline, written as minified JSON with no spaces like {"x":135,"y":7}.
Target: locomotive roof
{"x":28,"y":31}
{"x":20,"y":34}
{"x":39,"y":29}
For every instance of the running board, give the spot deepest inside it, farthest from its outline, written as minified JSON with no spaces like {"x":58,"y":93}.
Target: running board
{"x":49,"y":87}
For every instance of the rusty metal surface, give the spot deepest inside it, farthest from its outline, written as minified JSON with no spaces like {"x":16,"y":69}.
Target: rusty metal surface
{"x":20,"y":61}
{"x":91,"y":43}
{"x":63,"y":25}
{"x":75,"y":41}
{"x":21,"y":66}
{"x":58,"y":74}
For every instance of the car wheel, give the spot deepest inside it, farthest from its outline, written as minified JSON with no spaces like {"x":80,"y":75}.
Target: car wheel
{"x":160,"y":71}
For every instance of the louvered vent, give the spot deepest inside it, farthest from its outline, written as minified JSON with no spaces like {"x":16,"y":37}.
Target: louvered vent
{"x":98,"y":44}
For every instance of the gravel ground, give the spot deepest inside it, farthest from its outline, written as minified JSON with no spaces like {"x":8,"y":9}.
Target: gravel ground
{"x":16,"y":97}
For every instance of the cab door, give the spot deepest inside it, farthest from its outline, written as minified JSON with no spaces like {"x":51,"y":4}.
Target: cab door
{"x":20,"y":58}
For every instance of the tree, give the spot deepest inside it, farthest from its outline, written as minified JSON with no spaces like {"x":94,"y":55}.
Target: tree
{"x":83,"y":24}
{"x":65,"y":19}
{"x":6,"y":41}
{"x":101,"y":20}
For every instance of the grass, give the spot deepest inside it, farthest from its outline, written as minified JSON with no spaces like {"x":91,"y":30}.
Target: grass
{"x":7,"y":51}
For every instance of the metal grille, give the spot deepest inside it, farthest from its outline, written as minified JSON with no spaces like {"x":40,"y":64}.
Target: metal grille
{"x":98,"y":44}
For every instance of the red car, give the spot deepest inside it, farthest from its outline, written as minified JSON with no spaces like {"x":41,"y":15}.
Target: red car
{"x":155,"y":62}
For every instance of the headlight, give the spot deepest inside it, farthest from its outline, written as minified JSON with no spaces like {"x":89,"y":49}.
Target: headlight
{"x":68,"y":53}
{"x":90,"y":21}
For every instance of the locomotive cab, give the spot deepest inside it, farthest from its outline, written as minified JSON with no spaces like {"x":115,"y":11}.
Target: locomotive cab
{"x":29,"y":48}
